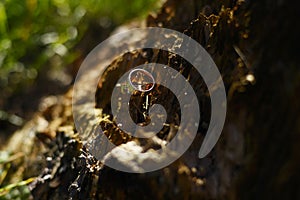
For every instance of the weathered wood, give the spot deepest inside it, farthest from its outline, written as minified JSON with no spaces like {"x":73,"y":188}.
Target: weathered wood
{"x":257,"y":154}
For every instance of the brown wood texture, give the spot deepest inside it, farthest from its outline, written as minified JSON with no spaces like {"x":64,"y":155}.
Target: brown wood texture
{"x":257,"y":156}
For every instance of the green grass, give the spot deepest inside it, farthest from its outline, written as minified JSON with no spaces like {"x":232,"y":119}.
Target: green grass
{"x":34,"y":31}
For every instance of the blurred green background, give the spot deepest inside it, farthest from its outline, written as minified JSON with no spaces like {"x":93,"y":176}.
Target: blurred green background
{"x":42,"y":43}
{"x":41,"y":38}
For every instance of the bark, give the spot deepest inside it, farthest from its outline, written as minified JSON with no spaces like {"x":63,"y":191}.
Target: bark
{"x":257,"y":154}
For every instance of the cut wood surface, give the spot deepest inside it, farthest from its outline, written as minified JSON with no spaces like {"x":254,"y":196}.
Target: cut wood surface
{"x":253,"y":45}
